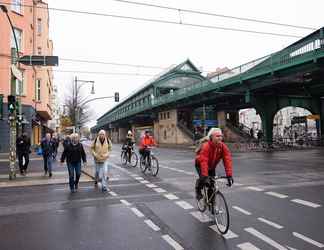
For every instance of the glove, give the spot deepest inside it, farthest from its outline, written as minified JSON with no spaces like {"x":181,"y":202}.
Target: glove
{"x":204,"y":180}
{"x":230,"y":181}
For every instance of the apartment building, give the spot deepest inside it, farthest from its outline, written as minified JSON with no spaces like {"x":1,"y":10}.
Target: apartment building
{"x":30,"y":20}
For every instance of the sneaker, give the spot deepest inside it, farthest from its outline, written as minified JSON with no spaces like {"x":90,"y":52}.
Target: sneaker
{"x":45,"y":173}
{"x":50,"y":174}
{"x":76,"y":186}
{"x":73,"y":191}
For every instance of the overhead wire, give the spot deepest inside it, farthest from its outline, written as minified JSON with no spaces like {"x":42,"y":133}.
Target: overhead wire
{"x":160,"y":21}
{"x":215,"y":14}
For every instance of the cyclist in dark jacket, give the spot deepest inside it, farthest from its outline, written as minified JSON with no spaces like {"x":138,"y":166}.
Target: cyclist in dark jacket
{"x":74,"y":153}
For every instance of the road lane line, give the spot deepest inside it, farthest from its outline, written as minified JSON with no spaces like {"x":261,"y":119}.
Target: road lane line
{"x":275,"y":225}
{"x":152,"y":225}
{"x":241,"y":210}
{"x":172,"y":242}
{"x":171,"y":196}
{"x":185,"y":205}
{"x":309,"y":240}
{"x":151,"y":185}
{"x":112,"y":193}
{"x":306,"y":203}
{"x":281,"y":196}
{"x":137,"y":212}
{"x":229,"y":235}
{"x":255,"y":189}
{"x":201,"y":216}
{"x":159,"y":190}
{"x":145,"y":182}
{"x":265,"y":238}
{"x":139,"y":178}
{"x":125,"y":202}
{"x":247,"y":246}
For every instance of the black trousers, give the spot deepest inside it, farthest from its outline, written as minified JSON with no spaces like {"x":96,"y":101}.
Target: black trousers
{"x":128,"y":152}
{"x":21,"y":156}
{"x":144,"y":153}
{"x":200,"y":181}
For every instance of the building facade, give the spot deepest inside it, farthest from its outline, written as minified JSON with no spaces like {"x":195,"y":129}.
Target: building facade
{"x":30,"y":20}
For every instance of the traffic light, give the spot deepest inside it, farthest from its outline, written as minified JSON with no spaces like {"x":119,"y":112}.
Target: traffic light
{"x":116,"y":96}
{"x":11,"y":104}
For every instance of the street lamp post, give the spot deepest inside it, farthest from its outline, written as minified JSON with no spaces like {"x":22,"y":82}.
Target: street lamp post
{"x":75,"y":104}
{"x":13,"y":117}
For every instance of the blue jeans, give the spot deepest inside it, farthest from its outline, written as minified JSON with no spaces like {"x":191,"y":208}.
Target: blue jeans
{"x":74,"y":167}
{"x":48,"y":160}
{"x":101,"y":172}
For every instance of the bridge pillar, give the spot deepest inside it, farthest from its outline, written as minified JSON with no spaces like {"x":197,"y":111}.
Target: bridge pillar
{"x":122,"y":133}
{"x":321,"y":122}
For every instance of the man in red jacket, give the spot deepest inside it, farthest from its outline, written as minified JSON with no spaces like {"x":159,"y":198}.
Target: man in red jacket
{"x":146,"y":142}
{"x":208,"y":157}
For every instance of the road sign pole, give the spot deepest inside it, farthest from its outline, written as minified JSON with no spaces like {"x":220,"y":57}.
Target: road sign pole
{"x":13,"y":134}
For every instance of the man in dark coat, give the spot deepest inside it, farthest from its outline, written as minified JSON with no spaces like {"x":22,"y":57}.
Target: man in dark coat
{"x":48,"y":149}
{"x":23,"y":150}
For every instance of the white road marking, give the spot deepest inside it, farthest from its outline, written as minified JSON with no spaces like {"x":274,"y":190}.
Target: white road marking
{"x":201,"y":216}
{"x":243,"y":211}
{"x":275,"y":225}
{"x":309,"y":240}
{"x":229,"y":235}
{"x":133,"y":175}
{"x":112,"y":193}
{"x":281,"y":196}
{"x":151,"y":185}
{"x":247,"y":246}
{"x":238,"y":184}
{"x":125,"y":202}
{"x":171,"y":196}
{"x":184,"y":204}
{"x":137,"y":212}
{"x":306,"y":203}
{"x":159,"y":190}
{"x":172,"y":242}
{"x":139,"y":178}
{"x":144,"y":182}
{"x":265,"y":238}
{"x":152,"y":225}
{"x":255,"y":189}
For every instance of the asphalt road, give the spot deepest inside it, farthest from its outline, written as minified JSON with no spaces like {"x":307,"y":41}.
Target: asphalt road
{"x":276,"y":203}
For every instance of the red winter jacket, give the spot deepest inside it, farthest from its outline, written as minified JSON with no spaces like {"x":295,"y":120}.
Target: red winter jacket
{"x":210,"y":155}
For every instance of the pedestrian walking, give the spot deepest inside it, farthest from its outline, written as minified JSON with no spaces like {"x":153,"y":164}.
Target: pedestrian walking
{"x":56,"y":143}
{"x":73,"y":154}
{"x":100,"y":150}
{"x":48,"y":149}
{"x":23,"y":151}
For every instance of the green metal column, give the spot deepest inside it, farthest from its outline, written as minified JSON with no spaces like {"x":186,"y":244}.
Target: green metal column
{"x":267,"y":126}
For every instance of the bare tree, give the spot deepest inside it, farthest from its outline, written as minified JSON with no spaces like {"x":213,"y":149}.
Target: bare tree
{"x":75,"y":109}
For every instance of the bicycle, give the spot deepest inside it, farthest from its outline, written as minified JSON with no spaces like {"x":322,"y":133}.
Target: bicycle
{"x":214,"y":200}
{"x":150,"y":163}
{"x":124,"y":158}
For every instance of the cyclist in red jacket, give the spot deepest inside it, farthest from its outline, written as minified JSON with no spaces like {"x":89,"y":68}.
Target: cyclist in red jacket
{"x":146,"y":142}
{"x":209,"y":155}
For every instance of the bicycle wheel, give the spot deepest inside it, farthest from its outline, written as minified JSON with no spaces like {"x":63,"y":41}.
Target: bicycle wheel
{"x":201,"y":204}
{"x":143,"y":165}
{"x":154,"y":165}
{"x":134,"y":159}
{"x":123,"y":158}
{"x":221,"y":213}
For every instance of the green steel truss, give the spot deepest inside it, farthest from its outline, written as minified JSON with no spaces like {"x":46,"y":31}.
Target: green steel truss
{"x":308,"y":49}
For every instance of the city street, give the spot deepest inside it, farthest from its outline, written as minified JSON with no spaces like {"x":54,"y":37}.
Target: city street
{"x":276,"y":203}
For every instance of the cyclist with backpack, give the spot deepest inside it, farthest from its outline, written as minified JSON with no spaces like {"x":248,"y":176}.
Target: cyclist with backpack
{"x":100,"y":150}
{"x":210,"y":152}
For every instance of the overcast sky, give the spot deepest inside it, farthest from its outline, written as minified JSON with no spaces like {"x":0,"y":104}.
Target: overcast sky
{"x":98,"y":38}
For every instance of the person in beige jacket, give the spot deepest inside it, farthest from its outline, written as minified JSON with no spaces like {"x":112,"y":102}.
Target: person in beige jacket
{"x":100,"y":150}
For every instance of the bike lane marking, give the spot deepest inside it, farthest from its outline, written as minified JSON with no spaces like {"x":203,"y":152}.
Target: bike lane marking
{"x":229,"y":235}
{"x":255,"y":189}
{"x":137,"y":212}
{"x":159,"y":190}
{"x":185,"y":205}
{"x":281,"y":196}
{"x":247,"y":246}
{"x":172,"y":242}
{"x":243,"y":211}
{"x":265,"y":238}
{"x":201,"y":216}
{"x":125,"y":202}
{"x":151,"y":185}
{"x":270,"y":223}
{"x":152,"y":225}
{"x":306,"y":203}
{"x":171,"y":196}
{"x":145,"y":182}
{"x":309,"y":240}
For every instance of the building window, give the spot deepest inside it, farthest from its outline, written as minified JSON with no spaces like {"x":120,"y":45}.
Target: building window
{"x":168,"y":115}
{"x":39,"y":50}
{"x":164,"y":116}
{"x":18,"y":33}
{"x":16,"y":6}
{"x":38,"y":90}
{"x":39,"y":26}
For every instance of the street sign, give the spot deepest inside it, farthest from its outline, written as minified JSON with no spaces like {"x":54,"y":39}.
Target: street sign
{"x":37,"y":60}
{"x":313,"y":117}
{"x":16,"y":72}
